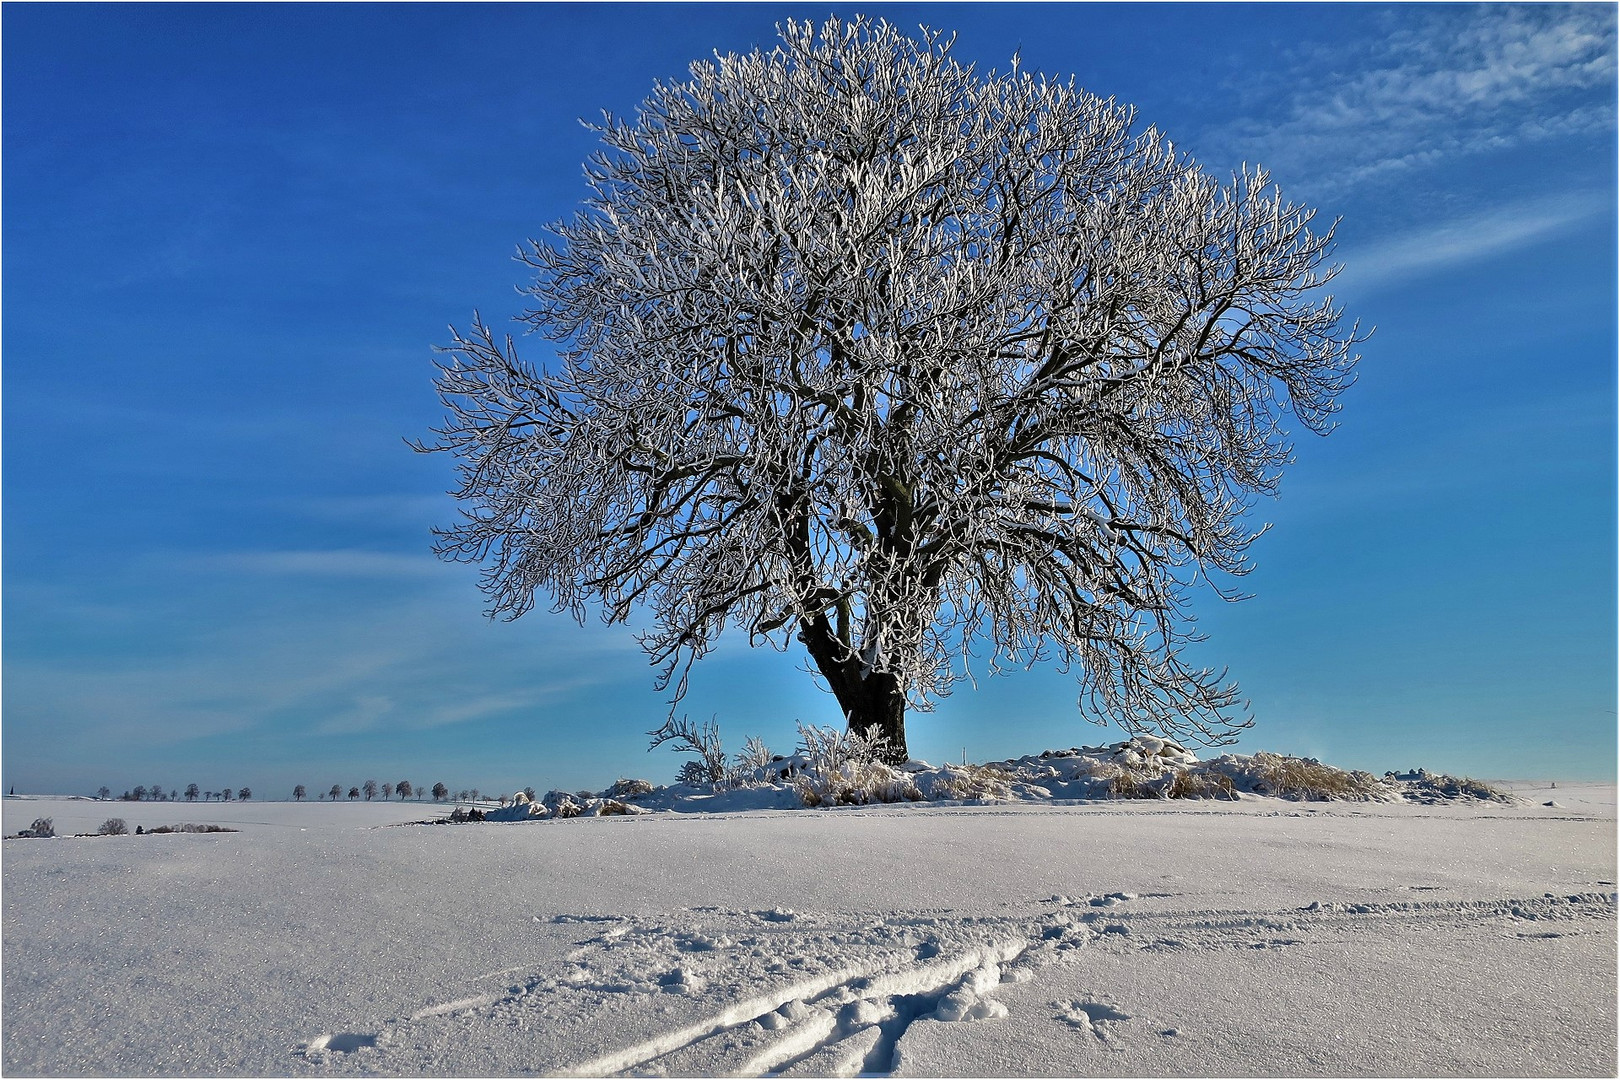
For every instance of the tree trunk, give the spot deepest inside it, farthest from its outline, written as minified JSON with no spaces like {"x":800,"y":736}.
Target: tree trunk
{"x":869,"y":699}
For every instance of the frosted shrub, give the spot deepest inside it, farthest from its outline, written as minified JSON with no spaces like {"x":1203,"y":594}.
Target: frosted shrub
{"x":1187,"y":784}
{"x":692,"y":774}
{"x":855,"y":783}
{"x":42,"y":827}
{"x":1133,"y":784}
{"x":689,"y":738}
{"x":752,"y":766}
{"x":114,"y":826}
{"x":1266,"y":773}
{"x":964,"y":782}
{"x":628,"y":789}
{"x":845,"y":768}
{"x":562,"y":805}
{"x":1439,"y":787}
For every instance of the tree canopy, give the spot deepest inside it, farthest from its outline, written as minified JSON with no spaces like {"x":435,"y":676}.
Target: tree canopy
{"x":860,"y":348}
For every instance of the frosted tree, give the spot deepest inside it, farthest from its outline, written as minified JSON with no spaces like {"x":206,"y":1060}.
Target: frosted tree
{"x":932,"y":372}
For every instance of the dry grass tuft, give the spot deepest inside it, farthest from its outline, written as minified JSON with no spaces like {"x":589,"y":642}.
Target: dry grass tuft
{"x":963,"y":782}
{"x":1302,"y":778}
{"x":1133,"y":784}
{"x":1201,"y":785}
{"x":854,"y":783}
{"x":1479,"y":789}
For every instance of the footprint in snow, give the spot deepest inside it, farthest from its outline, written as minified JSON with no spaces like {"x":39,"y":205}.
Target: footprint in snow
{"x":342,"y":1042}
{"x":1094,"y":1018}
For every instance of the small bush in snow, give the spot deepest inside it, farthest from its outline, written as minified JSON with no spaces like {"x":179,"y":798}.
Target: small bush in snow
{"x":963,"y":782}
{"x":561,"y":804}
{"x":692,"y":774}
{"x":752,"y":765}
{"x":41,"y":828}
{"x":1298,"y":778}
{"x":114,"y":826}
{"x":628,"y":789}
{"x":845,"y":768}
{"x":689,"y":738}
{"x":1132,"y":784}
{"x":1187,"y":784}
{"x":1425,"y":786}
{"x":1468,"y":787}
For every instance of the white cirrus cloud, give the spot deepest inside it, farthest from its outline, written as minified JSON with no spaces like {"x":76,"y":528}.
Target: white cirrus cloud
{"x":1460,"y":241}
{"x":1439,"y":84}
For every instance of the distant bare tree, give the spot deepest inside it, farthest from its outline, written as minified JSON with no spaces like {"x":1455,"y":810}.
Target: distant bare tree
{"x":868,"y":351}
{"x":354,"y":793}
{"x":191,"y":792}
{"x":404,"y":788}
{"x":104,"y":793}
{"x":440,"y":792}
{"x":334,"y":792}
{"x":299,"y":793}
{"x":225,"y":794}
{"x":139,"y":792}
{"x":370,"y":789}
{"x":245,"y":794}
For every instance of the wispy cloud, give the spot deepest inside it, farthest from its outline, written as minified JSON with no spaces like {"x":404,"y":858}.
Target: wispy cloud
{"x":1441,"y":83}
{"x":1458,"y":242}
{"x":413,"y":665}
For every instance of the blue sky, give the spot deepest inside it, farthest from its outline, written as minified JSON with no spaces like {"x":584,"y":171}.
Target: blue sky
{"x":233,"y":233}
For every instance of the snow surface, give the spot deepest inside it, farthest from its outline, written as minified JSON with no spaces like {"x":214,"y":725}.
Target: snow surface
{"x":1105,"y":938}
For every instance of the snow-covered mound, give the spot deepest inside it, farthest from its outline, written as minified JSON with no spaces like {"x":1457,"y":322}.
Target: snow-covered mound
{"x":1142,"y":767}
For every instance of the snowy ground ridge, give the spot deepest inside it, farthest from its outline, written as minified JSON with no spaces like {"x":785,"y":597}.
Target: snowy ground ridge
{"x":1143,"y":767}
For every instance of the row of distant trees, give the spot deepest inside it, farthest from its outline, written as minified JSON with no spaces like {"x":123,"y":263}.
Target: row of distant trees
{"x":369,"y":790}
{"x":156,"y":793}
{"x":403,"y":790}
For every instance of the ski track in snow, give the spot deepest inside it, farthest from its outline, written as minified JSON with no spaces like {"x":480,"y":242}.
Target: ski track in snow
{"x":780,"y":993}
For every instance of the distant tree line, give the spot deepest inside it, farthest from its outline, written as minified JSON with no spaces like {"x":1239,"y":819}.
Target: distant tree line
{"x":403,"y":789}
{"x":155,"y":793}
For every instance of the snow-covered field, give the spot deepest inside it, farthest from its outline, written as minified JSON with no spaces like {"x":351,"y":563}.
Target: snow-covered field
{"x":1106,"y":938}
